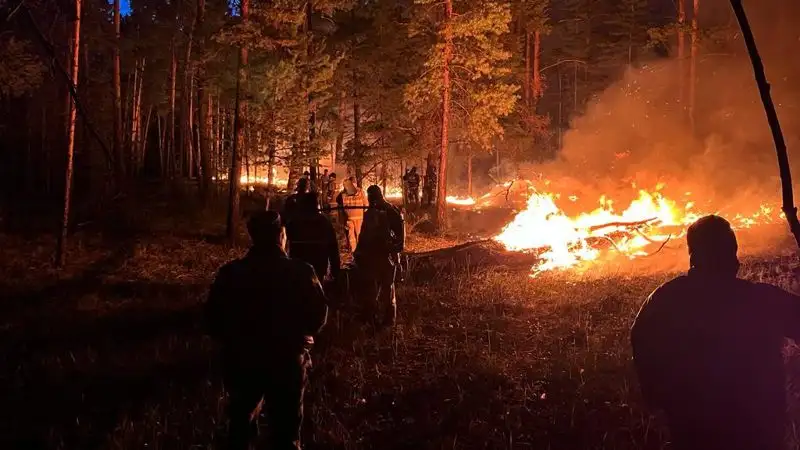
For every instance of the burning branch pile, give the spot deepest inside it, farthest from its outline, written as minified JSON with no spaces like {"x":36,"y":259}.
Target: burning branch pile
{"x":642,"y":229}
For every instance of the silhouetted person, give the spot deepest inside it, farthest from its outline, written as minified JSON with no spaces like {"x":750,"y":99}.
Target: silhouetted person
{"x":412,"y":183}
{"x":290,"y":206}
{"x":331,"y":190}
{"x":312,"y":237}
{"x":707,"y":348}
{"x":429,"y":187}
{"x":264,"y":310}
{"x":377,"y":256}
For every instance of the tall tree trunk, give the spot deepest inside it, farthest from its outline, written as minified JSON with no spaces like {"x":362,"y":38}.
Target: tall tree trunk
{"x":681,"y":53}
{"x":357,"y":156}
{"x":162,"y":145}
{"x":537,"y":64}
{"x":170,"y":166}
{"x":61,"y":246}
{"x":205,"y":123}
{"x":312,"y":114}
{"x":118,"y":150}
{"x":526,"y":85}
{"x":144,"y":137}
{"x":129,"y":121}
{"x":693,"y":65}
{"x":238,"y":138}
{"x":186,"y":113}
{"x":469,"y":174}
{"x":339,"y":130}
{"x":271,"y":150}
{"x":441,"y":194}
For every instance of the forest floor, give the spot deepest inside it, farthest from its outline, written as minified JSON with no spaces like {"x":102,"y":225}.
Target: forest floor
{"x":109,"y":352}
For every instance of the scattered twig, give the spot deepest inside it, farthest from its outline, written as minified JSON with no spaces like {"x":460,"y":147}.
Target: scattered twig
{"x":663,"y":244}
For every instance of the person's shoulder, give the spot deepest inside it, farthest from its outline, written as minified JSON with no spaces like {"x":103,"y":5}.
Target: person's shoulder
{"x":299,"y":268}
{"x":671,"y":287}
{"x":764,"y":291}
{"x":230,"y":269}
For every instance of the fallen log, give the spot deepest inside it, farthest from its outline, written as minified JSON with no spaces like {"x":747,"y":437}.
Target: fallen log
{"x":635,"y":224}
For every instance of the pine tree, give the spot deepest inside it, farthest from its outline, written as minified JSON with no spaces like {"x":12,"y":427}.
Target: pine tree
{"x":61,"y":246}
{"x":476,"y":80}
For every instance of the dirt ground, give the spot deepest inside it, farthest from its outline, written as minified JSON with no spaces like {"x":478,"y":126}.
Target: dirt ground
{"x":109,"y":353}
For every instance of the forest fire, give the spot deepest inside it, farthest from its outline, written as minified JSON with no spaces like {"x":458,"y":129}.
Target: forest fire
{"x":644,"y":226}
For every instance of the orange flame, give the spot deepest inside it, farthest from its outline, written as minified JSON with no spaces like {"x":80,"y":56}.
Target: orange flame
{"x":569,"y":241}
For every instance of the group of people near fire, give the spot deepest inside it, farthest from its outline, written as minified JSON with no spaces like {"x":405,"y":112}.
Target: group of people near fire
{"x":707,"y":345}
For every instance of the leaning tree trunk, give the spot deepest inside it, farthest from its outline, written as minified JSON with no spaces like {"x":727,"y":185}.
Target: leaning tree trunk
{"x":789,"y":210}
{"x":693,"y":66}
{"x":238,"y":138}
{"x":118,"y":151}
{"x":441,"y":185}
{"x":61,"y":246}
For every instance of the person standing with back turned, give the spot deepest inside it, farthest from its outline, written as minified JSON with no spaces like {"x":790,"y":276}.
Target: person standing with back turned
{"x":312,"y":238}
{"x":707,"y":348}
{"x":377,"y":256}
{"x":264,"y":311}
{"x":352,"y":203}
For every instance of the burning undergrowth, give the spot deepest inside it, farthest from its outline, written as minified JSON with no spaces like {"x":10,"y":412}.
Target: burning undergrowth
{"x":635,"y":171}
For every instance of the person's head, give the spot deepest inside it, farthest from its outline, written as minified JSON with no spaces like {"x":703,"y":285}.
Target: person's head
{"x":350,"y":185}
{"x":325,"y":172}
{"x":265,"y":228}
{"x":308,"y":202}
{"x":374,"y":195}
{"x":302,"y":185}
{"x":712,"y":246}
{"x":306,"y":173}
{"x":332,"y":176}
{"x":414,"y":169}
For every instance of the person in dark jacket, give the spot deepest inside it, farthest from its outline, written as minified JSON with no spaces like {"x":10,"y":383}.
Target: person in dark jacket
{"x":290,"y":205}
{"x":412,"y":186}
{"x":264,"y":311}
{"x":312,"y":237}
{"x":707,"y":349}
{"x":377,"y":255}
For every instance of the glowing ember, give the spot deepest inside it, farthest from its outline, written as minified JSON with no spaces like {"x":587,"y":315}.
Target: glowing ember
{"x":461,"y":201}
{"x":567,"y":241}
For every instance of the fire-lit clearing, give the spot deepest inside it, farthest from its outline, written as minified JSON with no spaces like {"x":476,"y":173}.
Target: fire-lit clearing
{"x":643,"y":227}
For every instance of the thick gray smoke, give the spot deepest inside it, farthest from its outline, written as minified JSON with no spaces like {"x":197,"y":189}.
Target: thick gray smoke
{"x":637,"y":132}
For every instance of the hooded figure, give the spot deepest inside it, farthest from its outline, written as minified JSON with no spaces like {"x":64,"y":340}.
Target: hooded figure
{"x":707,"y":349}
{"x":352,"y":202}
{"x":290,"y":206}
{"x":264,"y":311}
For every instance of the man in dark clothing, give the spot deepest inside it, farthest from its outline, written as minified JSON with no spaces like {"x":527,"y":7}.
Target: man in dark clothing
{"x":377,"y":255}
{"x":429,"y":187}
{"x":707,"y":348}
{"x":264,"y":310}
{"x":312,"y":237}
{"x":412,"y":181}
{"x":290,"y":205}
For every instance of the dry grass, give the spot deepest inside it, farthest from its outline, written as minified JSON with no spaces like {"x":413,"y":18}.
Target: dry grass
{"x":109,"y":354}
